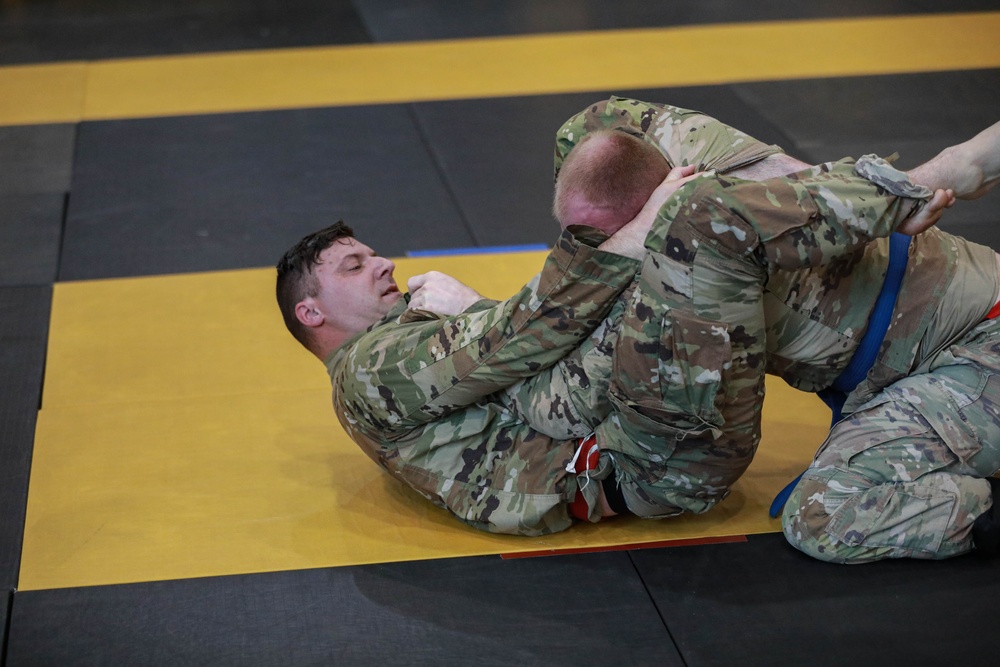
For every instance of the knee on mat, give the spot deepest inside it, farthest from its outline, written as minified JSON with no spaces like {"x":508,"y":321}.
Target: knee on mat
{"x":805,"y":520}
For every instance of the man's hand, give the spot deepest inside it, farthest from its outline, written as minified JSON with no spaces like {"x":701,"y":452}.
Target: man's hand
{"x":630,"y":240}
{"x":929,"y":215}
{"x":440,"y":293}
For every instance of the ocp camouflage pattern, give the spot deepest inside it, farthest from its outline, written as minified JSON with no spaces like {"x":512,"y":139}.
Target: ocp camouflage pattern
{"x":816,"y":316}
{"x":499,"y":464}
{"x":414,"y":392}
{"x":902,"y":477}
{"x":688,"y":371}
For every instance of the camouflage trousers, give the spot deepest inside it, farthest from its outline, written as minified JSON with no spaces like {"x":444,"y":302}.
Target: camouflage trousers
{"x":903,"y":476}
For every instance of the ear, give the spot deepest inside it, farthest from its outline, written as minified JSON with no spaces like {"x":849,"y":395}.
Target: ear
{"x":308,"y":313}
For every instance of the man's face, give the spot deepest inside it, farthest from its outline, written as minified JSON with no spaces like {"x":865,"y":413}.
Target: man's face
{"x":356,"y":286}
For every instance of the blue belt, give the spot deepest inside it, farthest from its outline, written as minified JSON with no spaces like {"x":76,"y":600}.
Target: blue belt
{"x":864,"y":357}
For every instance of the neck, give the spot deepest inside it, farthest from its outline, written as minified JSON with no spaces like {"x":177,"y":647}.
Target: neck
{"x":327,"y":342}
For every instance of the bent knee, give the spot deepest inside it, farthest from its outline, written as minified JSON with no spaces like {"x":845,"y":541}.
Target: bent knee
{"x":805,"y":520}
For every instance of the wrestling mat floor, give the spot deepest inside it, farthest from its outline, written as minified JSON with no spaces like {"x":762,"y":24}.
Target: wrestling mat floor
{"x":183,"y":433}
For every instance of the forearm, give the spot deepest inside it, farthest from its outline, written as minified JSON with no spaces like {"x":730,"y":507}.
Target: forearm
{"x":807,"y":219}
{"x":410,"y":374}
{"x":570,"y":399}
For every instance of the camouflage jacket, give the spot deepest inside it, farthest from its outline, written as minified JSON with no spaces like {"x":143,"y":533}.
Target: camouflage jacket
{"x":571,"y":399}
{"x":817,"y":315}
{"x":685,"y":137}
{"x":414,"y":390}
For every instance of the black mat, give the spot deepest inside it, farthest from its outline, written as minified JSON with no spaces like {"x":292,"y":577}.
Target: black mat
{"x":6,"y":602}
{"x":36,"y":159}
{"x":89,"y":29}
{"x":496,"y":154}
{"x":577,"y":610}
{"x":24,"y":321}
{"x":29,"y":238}
{"x":822,"y":114}
{"x":44,"y":31}
{"x":230,"y":191}
{"x":403,"y":20}
{"x":763,"y":603}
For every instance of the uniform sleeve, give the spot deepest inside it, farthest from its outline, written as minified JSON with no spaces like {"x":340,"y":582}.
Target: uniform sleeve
{"x":402,"y":375}
{"x":802,"y":220}
{"x":570,"y":399}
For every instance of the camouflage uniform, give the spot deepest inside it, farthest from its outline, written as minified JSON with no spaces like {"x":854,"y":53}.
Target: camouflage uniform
{"x":687,"y":368}
{"x":572,"y":399}
{"x":486,"y":463}
{"x":414,"y":392}
{"x":902,"y":475}
{"x":477,"y":456}
{"x":899,"y":477}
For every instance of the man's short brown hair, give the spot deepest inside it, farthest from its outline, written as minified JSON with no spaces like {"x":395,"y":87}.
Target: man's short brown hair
{"x":611,"y":170}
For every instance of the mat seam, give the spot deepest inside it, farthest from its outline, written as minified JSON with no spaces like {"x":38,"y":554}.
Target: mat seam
{"x":439,"y":168}
{"x":6,"y":629}
{"x":659,"y":612}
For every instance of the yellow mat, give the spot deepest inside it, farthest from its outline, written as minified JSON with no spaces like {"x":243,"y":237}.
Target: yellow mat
{"x":183,"y":434}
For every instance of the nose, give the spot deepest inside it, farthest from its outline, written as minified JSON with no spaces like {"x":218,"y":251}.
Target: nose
{"x":384,"y":266}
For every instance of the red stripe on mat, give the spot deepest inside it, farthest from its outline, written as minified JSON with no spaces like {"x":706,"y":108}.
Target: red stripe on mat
{"x":628,"y":547}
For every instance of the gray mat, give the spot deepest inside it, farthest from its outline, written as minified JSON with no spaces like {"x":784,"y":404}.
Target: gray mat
{"x":36,"y":159}
{"x":763,"y":603}
{"x":29,"y":238}
{"x":92,"y":29}
{"x":943,"y":107}
{"x":578,"y":610}
{"x":399,"y":20}
{"x":24,"y":319}
{"x":230,"y":191}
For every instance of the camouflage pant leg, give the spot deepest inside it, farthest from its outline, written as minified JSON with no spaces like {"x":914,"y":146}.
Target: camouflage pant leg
{"x":687,"y":378}
{"x":903,"y":476}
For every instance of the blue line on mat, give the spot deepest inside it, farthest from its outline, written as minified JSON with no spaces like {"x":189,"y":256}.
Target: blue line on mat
{"x":489,"y":250}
